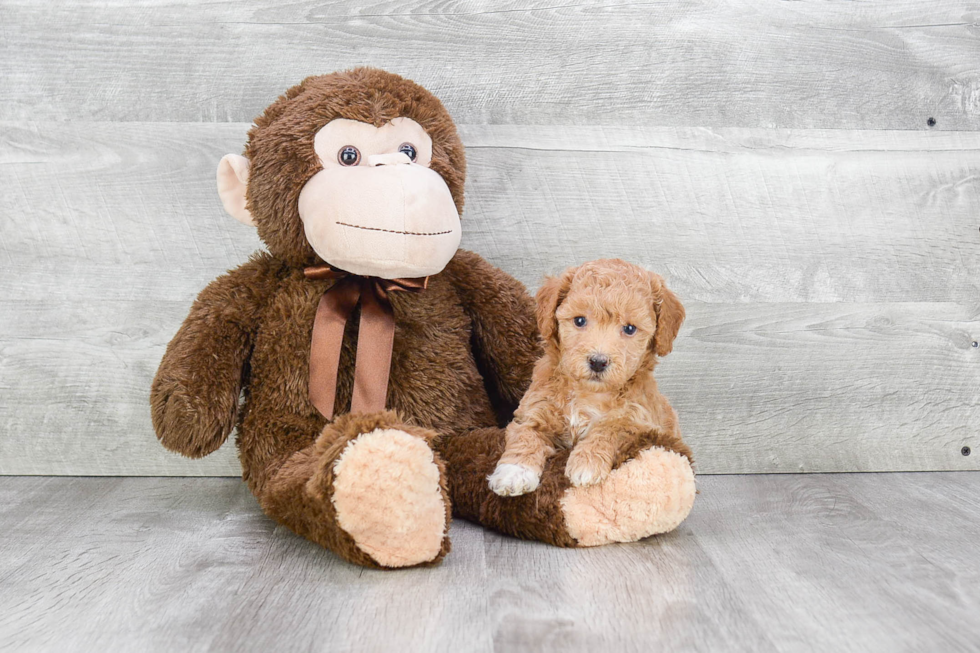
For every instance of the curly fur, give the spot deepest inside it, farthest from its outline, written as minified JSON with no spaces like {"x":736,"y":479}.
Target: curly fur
{"x":598,"y":415}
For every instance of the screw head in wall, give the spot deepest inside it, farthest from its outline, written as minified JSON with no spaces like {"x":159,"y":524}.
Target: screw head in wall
{"x":965,"y":451}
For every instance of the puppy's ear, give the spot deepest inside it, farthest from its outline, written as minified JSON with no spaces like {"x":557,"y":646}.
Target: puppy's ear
{"x":670,"y":315}
{"x":550,"y":296}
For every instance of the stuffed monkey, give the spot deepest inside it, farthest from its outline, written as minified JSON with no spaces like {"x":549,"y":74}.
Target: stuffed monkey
{"x":368,"y":363}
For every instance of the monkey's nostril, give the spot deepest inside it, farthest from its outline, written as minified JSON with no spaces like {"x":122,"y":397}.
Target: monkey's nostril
{"x":598,"y":363}
{"x":392,"y":158}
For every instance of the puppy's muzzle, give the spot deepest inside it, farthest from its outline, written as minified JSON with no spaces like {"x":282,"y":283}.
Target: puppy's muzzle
{"x":598,"y":363}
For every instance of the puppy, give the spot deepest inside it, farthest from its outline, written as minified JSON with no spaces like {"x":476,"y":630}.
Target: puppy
{"x":603,"y":325}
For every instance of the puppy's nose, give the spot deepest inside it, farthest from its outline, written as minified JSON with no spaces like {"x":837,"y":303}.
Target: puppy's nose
{"x":598,"y":363}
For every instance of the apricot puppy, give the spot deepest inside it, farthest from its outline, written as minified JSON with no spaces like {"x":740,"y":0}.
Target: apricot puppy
{"x":604,"y":325}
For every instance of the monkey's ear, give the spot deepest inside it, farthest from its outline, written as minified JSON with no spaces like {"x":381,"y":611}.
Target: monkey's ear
{"x":550,"y":296}
{"x":232,"y":182}
{"x":670,"y":315}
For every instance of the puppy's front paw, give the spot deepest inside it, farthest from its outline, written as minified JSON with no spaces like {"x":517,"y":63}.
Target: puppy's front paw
{"x":584,"y":470}
{"x":513,"y":480}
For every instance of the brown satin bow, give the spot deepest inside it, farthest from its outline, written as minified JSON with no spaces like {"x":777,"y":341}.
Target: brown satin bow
{"x":376,"y":333}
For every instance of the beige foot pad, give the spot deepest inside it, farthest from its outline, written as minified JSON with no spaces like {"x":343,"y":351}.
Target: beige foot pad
{"x":650,"y":494}
{"x":387,"y":496}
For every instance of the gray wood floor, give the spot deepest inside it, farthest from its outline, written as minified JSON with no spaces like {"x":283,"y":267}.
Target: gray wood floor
{"x":858,"y":562}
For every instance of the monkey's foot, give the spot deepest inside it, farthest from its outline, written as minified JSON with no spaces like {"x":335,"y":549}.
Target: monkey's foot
{"x":652,"y":493}
{"x":389,"y":495}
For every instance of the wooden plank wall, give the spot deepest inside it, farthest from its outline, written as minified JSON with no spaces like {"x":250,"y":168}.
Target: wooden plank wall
{"x":805,"y":174}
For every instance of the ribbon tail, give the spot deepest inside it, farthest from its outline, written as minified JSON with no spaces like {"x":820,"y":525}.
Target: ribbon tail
{"x":328,"y":334}
{"x":375,"y":337}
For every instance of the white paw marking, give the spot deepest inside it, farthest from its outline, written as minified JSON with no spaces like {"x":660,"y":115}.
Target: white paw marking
{"x":584,"y":476}
{"x":583,"y":470}
{"x":513,"y":480}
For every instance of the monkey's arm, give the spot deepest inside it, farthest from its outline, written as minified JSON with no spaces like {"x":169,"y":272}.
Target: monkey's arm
{"x":194,"y":397}
{"x":505,"y":334}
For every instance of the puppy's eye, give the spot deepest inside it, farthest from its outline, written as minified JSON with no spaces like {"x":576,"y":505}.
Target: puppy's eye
{"x":629,"y":329}
{"x":348,"y":155}
{"x":579,"y":321}
{"x":409,"y":150}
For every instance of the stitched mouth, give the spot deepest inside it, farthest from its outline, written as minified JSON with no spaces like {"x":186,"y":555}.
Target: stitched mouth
{"x":392,"y":231}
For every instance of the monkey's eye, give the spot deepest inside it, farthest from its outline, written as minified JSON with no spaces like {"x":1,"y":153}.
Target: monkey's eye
{"x":629,"y":329}
{"x":348,"y":155}
{"x":409,"y":150}
{"x":579,"y":321}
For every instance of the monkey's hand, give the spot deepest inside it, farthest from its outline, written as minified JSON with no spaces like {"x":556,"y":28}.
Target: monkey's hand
{"x":194,"y":398}
{"x":189,"y":420}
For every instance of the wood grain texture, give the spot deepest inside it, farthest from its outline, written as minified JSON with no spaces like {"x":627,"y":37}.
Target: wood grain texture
{"x":775,"y":387}
{"x":863,"y":562}
{"x":883,"y":64}
{"x":171,"y":564}
{"x":727,"y":215}
{"x":734,"y":214}
{"x":869,"y":562}
{"x":831,"y":280}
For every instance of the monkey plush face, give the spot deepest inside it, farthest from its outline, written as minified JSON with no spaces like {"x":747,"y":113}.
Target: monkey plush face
{"x":376,"y":208}
{"x":362,"y":170}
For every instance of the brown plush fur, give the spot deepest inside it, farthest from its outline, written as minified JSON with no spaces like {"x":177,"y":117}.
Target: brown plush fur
{"x":280,"y":146}
{"x":599,"y":415}
{"x":463,"y":352}
{"x":469,"y":337}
